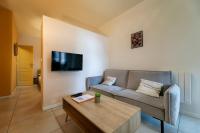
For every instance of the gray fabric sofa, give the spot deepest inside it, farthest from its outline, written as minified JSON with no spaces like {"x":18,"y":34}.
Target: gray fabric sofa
{"x":164,"y":108}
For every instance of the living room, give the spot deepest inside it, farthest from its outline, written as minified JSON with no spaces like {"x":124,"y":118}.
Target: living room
{"x":123,"y":48}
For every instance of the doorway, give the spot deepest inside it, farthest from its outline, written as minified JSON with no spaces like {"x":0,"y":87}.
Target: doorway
{"x":25,"y":66}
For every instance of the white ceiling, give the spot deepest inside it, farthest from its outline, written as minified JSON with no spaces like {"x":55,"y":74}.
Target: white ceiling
{"x":89,"y":14}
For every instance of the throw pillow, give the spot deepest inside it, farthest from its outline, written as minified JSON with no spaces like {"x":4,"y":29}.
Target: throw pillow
{"x":150,"y":88}
{"x":109,"y":80}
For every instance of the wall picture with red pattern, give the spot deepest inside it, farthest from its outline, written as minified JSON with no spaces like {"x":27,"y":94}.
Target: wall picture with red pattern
{"x":137,"y":40}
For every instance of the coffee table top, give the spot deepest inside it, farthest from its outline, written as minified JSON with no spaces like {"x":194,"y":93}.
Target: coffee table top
{"x":107,"y":115}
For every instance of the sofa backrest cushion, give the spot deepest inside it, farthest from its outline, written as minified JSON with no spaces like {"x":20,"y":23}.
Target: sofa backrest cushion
{"x":121,"y":75}
{"x":135,"y":76}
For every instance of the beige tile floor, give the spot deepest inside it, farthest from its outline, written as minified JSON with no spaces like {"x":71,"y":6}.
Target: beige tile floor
{"x":22,"y":113}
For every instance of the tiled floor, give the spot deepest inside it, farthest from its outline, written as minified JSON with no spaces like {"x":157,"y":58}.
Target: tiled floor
{"x":22,"y":113}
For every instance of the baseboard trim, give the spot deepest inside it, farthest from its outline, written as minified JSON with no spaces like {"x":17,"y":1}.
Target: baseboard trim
{"x":44,"y":108}
{"x":9,"y":96}
{"x":4,"y":97}
{"x":195,"y":115}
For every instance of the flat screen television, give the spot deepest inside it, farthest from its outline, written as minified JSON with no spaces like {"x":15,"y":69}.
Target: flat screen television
{"x":62,"y":61}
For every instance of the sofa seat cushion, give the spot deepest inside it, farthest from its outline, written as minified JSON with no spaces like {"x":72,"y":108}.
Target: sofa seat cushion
{"x":132,"y":94}
{"x":107,"y":90}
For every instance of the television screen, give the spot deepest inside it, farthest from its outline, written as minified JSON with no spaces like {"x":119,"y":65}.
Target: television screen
{"x":66,"y":61}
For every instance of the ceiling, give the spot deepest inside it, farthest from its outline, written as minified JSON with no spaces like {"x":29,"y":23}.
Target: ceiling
{"x":89,"y":14}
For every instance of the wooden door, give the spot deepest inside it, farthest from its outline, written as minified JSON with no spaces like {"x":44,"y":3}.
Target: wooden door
{"x":25,"y":66}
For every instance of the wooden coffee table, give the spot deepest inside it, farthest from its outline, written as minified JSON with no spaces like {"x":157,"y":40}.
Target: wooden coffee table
{"x":109,"y":116}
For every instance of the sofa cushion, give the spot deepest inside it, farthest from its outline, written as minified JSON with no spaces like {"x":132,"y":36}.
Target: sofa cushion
{"x":109,"y":81}
{"x":153,"y":111}
{"x":150,"y":88}
{"x":132,"y":94}
{"x":106,"y":90}
{"x":121,"y":75}
{"x":135,"y":76}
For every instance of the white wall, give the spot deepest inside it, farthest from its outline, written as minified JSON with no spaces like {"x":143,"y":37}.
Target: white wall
{"x":171,"y":40}
{"x":24,"y":39}
{"x":60,"y":36}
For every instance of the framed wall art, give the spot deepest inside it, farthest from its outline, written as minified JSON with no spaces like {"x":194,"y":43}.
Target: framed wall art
{"x":137,"y":40}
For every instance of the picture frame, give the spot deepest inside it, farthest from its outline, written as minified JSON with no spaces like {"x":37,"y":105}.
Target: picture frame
{"x":137,"y":40}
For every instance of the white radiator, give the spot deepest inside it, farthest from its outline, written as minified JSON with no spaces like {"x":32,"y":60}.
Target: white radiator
{"x":184,"y":80}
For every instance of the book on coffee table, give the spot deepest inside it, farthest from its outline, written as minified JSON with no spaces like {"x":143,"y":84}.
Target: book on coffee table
{"x":83,"y":98}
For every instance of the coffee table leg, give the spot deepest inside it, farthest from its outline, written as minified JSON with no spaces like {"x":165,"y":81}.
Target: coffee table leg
{"x":66,"y":119}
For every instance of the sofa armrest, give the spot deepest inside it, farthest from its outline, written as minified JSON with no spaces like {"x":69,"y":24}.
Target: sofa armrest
{"x":90,"y":81}
{"x":172,"y":104}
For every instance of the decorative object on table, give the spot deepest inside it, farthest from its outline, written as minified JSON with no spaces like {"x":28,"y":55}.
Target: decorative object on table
{"x":137,"y":39}
{"x":15,"y":49}
{"x":97,"y":97}
{"x":83,"y":98}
